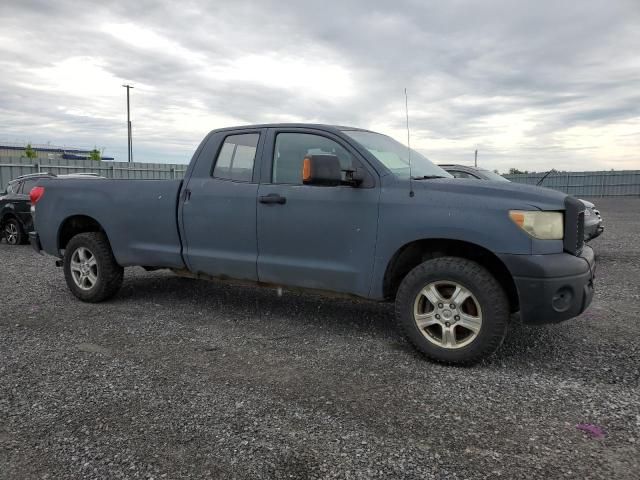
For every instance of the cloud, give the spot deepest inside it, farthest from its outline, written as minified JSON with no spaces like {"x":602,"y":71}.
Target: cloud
{"x":530,"y":85}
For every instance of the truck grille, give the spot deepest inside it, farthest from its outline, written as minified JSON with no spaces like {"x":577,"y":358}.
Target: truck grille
{"x":573,"y":225}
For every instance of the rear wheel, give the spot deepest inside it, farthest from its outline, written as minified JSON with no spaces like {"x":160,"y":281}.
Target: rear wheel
{"x":453,"y":310}
{"x":13,"y":232}
{"x":90,"y":269}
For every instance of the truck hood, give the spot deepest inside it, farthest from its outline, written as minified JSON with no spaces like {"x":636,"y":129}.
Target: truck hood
{"x":537,"y":197}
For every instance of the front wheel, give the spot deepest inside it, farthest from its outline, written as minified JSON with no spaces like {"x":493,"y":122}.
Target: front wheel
{"x":91,"y":271}
{"x":453,"y":310}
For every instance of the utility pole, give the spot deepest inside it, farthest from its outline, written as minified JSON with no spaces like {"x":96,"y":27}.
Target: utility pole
{"x":130,"y":140}
{"x":476,"y":159}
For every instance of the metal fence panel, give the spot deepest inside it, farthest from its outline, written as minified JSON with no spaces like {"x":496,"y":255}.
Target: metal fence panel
{"x":586,"y":184}
{"x":12,"y":167}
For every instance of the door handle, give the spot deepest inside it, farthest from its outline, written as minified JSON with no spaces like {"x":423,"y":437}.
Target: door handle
{"x":273,"y":198}
{"x":187,"y":195}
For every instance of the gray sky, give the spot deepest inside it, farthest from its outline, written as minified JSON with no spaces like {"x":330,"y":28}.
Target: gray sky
{"x":532,"y":85}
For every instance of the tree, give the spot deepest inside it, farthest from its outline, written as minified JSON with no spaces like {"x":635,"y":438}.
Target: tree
{"x":30,"y":152}
{"x":514,"y":171}
{"x":95,"y":154}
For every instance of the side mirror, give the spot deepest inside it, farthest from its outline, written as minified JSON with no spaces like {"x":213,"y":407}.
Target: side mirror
{"x":321,"y":170}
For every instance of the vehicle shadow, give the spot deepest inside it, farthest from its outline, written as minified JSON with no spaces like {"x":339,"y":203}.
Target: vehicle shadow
{"x":342,"y":315}
{"x":526,"y":348}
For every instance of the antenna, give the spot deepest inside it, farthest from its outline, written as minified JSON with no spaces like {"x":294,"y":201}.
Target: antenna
{"x":406,"y":109}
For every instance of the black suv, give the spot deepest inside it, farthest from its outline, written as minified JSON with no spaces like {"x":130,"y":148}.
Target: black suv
{"x":15,"y":208}
{"x":15,"y":205}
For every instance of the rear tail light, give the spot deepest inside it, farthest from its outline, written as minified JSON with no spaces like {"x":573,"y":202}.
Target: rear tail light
{"x":36,"y":194}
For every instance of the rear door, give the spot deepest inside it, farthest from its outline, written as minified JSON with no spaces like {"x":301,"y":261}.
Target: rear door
{"x":314,"y":236}
{"x":218,"y":208}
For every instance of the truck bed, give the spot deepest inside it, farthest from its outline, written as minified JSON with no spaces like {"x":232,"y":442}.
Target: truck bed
{"x":138,"y":216}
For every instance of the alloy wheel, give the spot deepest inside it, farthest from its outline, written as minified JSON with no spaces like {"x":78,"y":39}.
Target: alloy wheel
{"x":11,"y":233}
{"x":447,"y":314}
{"x":84,"y":268}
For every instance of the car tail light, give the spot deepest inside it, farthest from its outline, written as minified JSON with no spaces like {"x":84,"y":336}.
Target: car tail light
{"x":36,"y":194}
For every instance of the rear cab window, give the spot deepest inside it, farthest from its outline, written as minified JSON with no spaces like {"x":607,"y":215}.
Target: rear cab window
{"x":236,"y":158}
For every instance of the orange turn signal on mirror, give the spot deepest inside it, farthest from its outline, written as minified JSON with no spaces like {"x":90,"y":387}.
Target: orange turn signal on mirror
{"x":517,"y":217}
{"x":306,"y":169}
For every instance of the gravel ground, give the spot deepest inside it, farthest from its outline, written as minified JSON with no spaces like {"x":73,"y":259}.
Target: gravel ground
{"x":176,"y":378}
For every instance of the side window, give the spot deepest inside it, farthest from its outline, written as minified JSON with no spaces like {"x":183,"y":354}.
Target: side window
{"x":237,"y":157}
{"x":27,"y":185}
{"x":291,"y":148}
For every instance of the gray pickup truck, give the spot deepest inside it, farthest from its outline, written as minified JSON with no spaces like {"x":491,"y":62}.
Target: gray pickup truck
{"x":334,"y":209}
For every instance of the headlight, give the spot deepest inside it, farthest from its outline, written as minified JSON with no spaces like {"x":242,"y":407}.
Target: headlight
{"x":542,"y":225}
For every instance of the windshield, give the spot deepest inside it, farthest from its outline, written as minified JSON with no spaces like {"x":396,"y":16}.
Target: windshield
{"x":494,"y":176}
{"x":395,"y":156}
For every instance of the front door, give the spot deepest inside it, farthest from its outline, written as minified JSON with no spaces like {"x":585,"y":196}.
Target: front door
{"x":314,"y":236}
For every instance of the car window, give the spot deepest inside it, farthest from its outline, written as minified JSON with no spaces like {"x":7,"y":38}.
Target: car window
{"x":291,"y":148}
{"x":27,"y":185}
{"x":489,"y":175}
{"x":460,"y":174}
{"x":12,"y":187}
{"x":237,"y":157}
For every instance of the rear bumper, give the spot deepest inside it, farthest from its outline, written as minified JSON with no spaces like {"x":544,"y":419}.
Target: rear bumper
{"x":552,"y":288}
{"x":34,"y":240}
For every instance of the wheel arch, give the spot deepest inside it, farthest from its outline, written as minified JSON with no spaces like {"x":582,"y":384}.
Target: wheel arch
{"x":8,"y":215}
{"x":75,"y":224}
{"x":412,"y":254}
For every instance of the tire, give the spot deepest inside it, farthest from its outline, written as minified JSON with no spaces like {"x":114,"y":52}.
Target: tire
{"x":13,"y":232}
{"x":479,"y":323}
{"x":90,"y":269}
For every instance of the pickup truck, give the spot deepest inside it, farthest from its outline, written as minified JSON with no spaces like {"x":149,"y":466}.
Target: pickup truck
{"x":334,"y":209}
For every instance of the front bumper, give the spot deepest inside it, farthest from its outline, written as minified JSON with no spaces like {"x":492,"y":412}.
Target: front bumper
{"x":593,"y":231}
{"x":34,"y":240}
{"x":552,"y":288}
{"x":592,"y":225}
